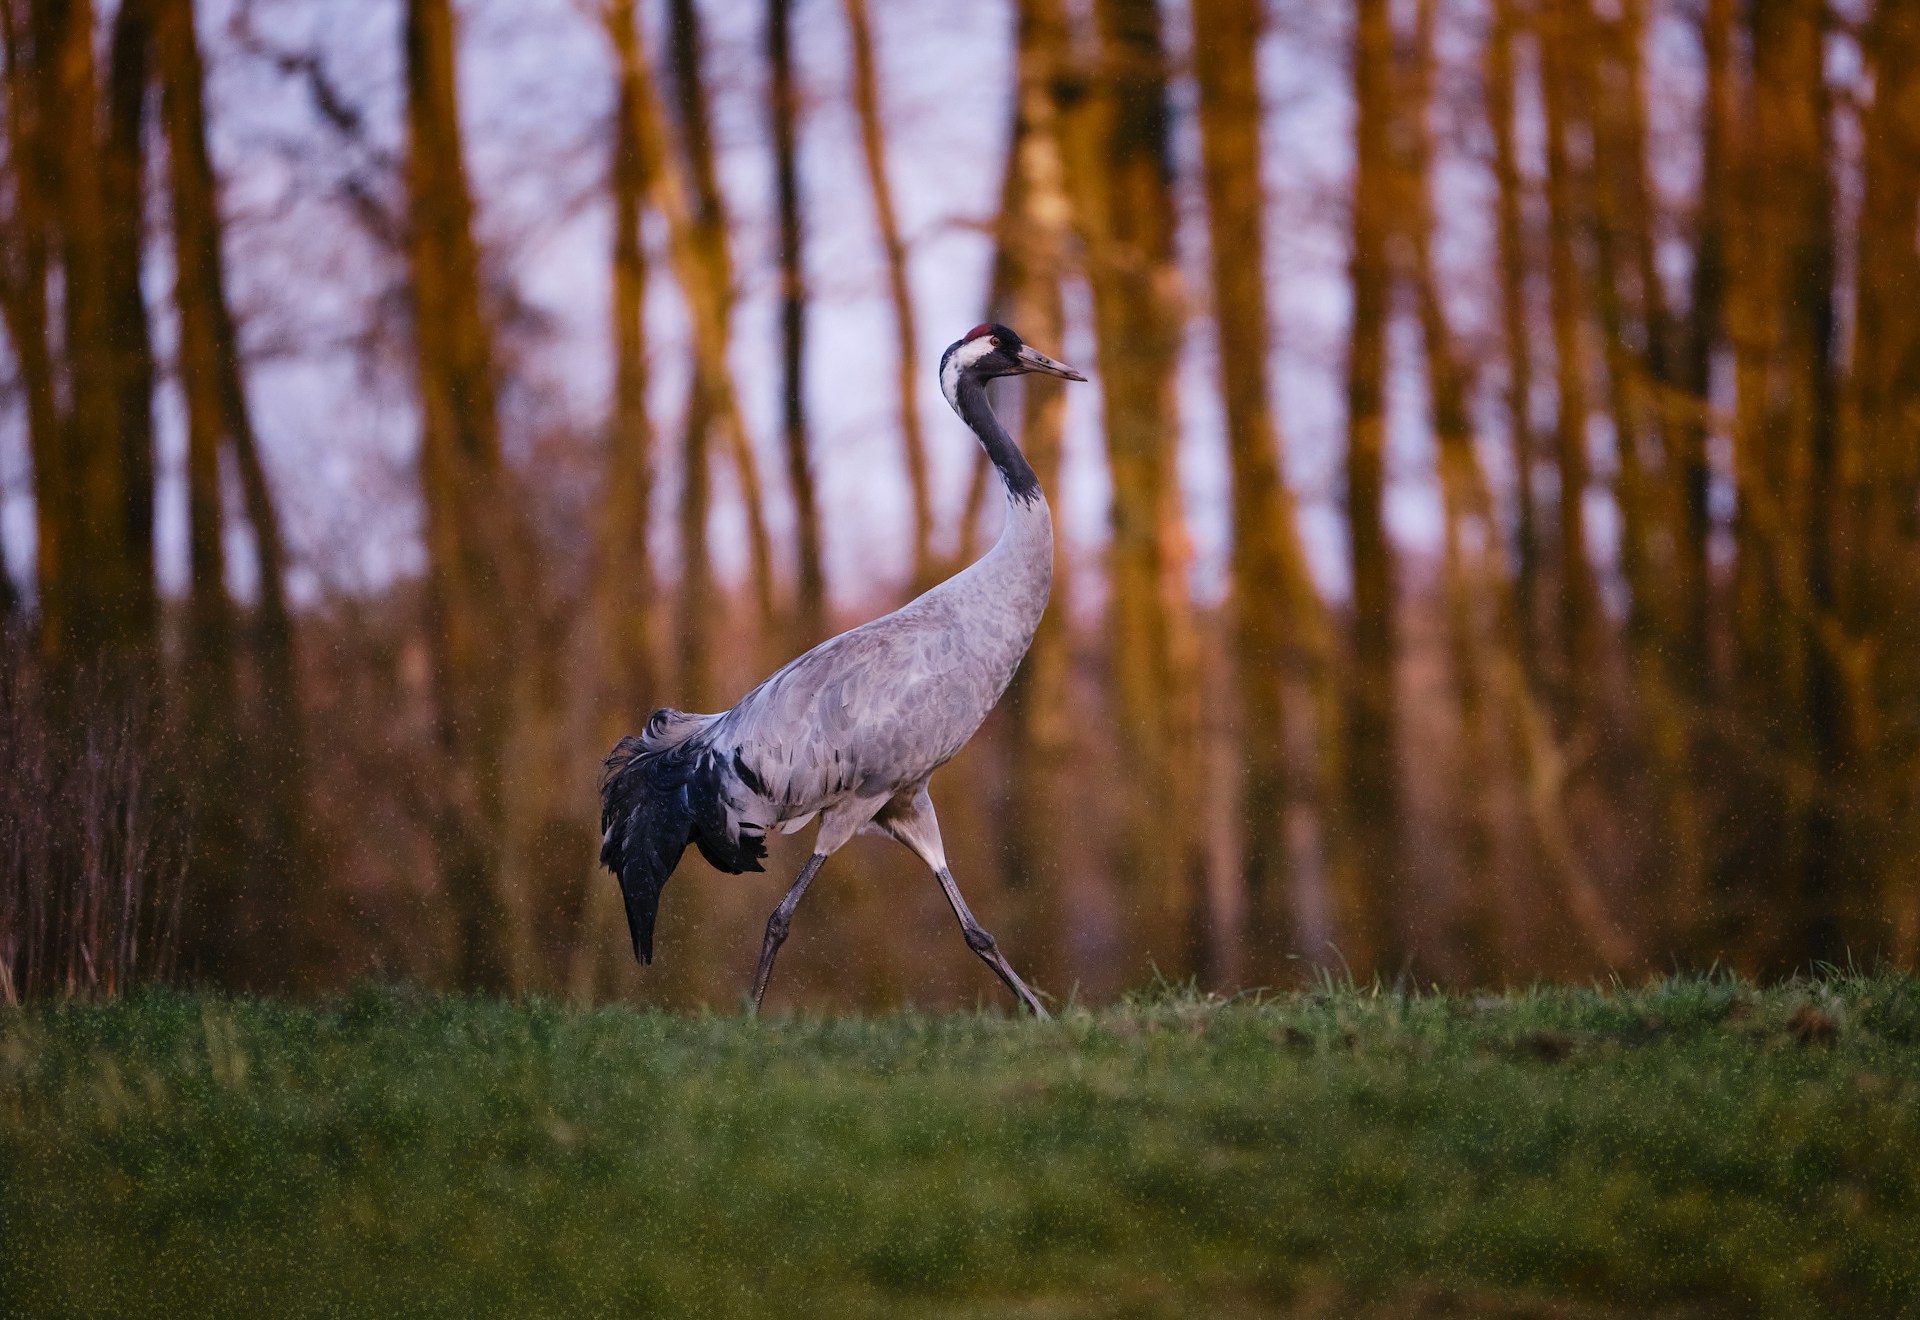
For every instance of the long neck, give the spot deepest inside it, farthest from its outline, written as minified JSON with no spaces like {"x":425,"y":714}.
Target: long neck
{"x":1002,"y":595}
{"x":969,"y":398}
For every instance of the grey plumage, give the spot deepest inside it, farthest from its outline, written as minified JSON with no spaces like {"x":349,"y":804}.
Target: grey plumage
{"x":851,"y":731}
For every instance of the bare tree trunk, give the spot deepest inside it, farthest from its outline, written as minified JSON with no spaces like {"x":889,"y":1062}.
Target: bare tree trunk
{"x":695,"y":605}
{"x":1498,"y":76}
{"x":122,"y":160}
{"x":1881,"y":641}
{"x":1115,"y":128}
{"x":705,"y":273}
{"x":1690,"y":914}
{"x":26,"y":237}
{"x":697,"y":221}
{"x":626,"y":580}
{"x":1780,"y":321}
{"x":469,"y":629}
{"x":94,"y":600}
{"x":1702,"y":333}
{"x":1632,"y":307}
{"x":225,"y":939}
{"x":1492,"y":680}
{"x":278,"y":844}
{"x":1757,"y":877}
{"x":107,"y":601}
{"x":23,"y":244}
{"x":811,"y":611}
{"x":1478,"y":935}
{"x":1579,"y":598}
{"x":1596,"y":80}
{"x":1792,"y":482}
{"x":1752,"y":296}
{"x":866,"y":99}
{"x":1640,"y":401}
{"x":74,"y":153}
{"x":1834,"y":917}
{"x":1278,"y":626}
{"x":1367,"y":865}
{"x":1635,"y":220}
{"x":1029,"y":266}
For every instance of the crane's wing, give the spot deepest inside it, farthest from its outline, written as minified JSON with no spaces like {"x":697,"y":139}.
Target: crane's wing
{"x":866,"y":712}
{"x":663,"y":790}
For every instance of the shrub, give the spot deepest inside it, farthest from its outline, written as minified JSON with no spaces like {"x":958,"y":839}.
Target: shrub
{"x":92,"y":857}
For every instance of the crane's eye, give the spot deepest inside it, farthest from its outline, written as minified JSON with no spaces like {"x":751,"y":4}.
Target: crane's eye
{"x":995,"y":341}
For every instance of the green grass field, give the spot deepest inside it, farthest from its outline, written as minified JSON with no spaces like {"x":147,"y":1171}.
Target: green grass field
{"x":1696,"y":1147}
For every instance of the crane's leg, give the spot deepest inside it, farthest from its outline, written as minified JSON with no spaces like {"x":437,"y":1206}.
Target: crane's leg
{"x":837,"y":824}
{"x":983,"y":944}
{"x":777,"y":927}
{"x":911,"y":820}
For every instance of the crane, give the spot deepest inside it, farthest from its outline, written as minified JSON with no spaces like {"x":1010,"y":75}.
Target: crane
{"x":851,"y":731}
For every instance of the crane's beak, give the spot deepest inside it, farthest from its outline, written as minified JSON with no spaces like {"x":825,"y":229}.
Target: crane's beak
{"x":1040,"y":363}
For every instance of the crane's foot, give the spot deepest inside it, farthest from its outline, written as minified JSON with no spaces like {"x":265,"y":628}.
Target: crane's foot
{"x":984,"y":944}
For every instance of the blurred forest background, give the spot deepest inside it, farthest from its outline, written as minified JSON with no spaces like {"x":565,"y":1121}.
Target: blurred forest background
{"x":1491,"y":544}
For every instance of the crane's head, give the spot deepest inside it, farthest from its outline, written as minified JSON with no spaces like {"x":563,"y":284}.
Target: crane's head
{"x":990,"y":350}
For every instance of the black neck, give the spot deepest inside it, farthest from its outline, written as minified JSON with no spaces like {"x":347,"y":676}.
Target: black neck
{"x":970,"y":401}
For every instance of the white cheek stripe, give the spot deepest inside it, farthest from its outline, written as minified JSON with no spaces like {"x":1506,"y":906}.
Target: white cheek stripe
{"x":964,"y":356}
{"x":950,"y":379}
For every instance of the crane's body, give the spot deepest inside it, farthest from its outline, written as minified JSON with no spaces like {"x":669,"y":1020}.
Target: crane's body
{"x":890,"y":702}
{"x":851,"y":731}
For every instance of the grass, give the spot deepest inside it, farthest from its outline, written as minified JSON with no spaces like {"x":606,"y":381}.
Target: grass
{"x":1698,"y":1147}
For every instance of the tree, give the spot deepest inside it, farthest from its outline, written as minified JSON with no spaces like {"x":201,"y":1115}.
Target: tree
{"x":1114,"y":132}
{"x":1781,"y":321}
{"x":1700,"y":334}
{"x":1029,"y":266}
{"x":1277,"y":622}
{"x":95,"y":581}
{"x":224,"y":938}
{"x":122,"y":159}
{"x":274,"y":740}
{"x":783,"y":104}
{"x":1497,"y":74}
{"x":1647,"y":420}
{"x":866,"y":100}
{"x":626,"y":578}
{"x":1579,"y":601}
{"x":1368,"y":862}
{"x":1878,"y":541}
{"x":1480,"y":937}
{"x":470,"y":630}
{"x":703,"y":266}
{"x":26,"y":248}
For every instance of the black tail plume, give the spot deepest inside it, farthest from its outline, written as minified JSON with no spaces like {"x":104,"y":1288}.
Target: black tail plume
{"x":654,"y":801}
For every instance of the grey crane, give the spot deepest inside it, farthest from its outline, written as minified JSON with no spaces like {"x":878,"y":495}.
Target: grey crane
{"x":851,"y":731}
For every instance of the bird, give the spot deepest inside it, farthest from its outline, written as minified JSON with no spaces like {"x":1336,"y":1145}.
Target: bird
{"x":851,"y":731}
